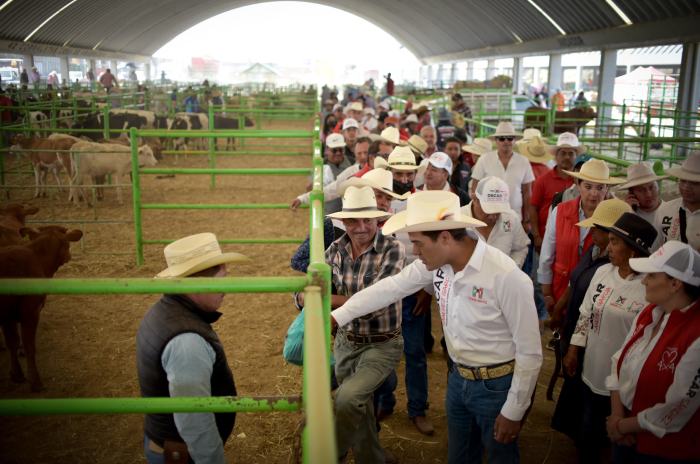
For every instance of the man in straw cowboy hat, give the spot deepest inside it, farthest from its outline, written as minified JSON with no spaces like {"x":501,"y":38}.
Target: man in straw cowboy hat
{"x":488,"y":318}
{"x":643,"y":191}
{"x":564,"y":243}
{"x":367,"y":350}
{"x":679,"y":219}
{"x":178,"y":353}
{"x":512,"y":167}
{"x":533,"y":147}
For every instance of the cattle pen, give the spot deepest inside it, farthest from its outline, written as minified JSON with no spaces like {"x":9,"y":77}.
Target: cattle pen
{"x":318,"y":438}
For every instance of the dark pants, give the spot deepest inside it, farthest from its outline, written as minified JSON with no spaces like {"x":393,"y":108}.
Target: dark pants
{"x":628,"y":455}
{"x":594,"y":436}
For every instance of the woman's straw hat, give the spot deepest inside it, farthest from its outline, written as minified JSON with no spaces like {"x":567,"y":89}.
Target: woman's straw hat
{"x":430,"y":210}
{"x":195,"y":253}
{"x":359,"y":203}
{"x":595,"y":171}
{"x":606,"y":213}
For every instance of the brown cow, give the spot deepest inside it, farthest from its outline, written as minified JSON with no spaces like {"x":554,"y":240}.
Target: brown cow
{"x":48,"y":250}
{"x":565,"y":121}
{"x":47,"y":155}
{"x":12,"y":220}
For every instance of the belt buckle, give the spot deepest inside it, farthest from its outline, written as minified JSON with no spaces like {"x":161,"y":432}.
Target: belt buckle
{"x":483,"y":373}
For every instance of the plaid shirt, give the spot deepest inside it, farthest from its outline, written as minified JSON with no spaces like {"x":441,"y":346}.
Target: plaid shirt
{"x":383,"y":259}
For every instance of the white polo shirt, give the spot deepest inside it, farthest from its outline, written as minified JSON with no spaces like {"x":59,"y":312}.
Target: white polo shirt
{"x":487,"y":310}
{"x":507,"y":235}
{"x":606,"y":315}
{"x":331,"y":183}
{"x":517,"y":173}
{"x":668,"y":222}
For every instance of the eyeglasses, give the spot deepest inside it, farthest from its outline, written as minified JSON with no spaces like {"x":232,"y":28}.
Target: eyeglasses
{"x":504,"y":139}
{"x":337,"y":150}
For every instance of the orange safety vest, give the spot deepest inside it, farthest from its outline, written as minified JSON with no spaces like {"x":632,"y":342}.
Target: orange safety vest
{"x":567,"y":250}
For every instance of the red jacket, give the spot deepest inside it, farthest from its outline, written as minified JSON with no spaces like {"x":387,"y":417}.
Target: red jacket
{"x":682,"y":329}
{"x":567,"y":253}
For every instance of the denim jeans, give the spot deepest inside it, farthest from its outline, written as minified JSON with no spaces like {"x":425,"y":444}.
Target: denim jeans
{"x":472,"y":407}
{"x":361,"y":369}
{"x":532,"y":262}
{"x":413,"y":330}
{"x":151,"y":456}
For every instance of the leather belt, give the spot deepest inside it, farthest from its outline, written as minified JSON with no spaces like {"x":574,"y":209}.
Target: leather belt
{"x":372,"y":338}
{"x":486,"y":372}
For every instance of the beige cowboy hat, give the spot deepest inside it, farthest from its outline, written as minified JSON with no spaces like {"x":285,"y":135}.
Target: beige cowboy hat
{"x":505,"y":129}
{"x":410,"y":118}
{"x":606,"y":213}
{"x":378,"y":178}
{"x":595,"y":171}
{"x":417,"y":144}
{"x":195,"y":253}
{"x":568,"y":140}
{"x":390,"y":135}
{"x":479,"y":146}
{"x":530,"y":133}
{"x":689,"y":170}
{"x":402,"y":159}
{"x":430,"y":210}
{"x":535,"y":150}
{"x":359,"y":203}
{"x":639,"y":174}
{"x":354,"y":106}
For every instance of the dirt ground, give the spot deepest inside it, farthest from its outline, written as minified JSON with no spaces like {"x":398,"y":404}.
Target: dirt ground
{"x":86,"y":344}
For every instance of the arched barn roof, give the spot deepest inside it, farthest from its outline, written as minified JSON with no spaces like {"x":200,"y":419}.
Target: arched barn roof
{"x":434,"y":30}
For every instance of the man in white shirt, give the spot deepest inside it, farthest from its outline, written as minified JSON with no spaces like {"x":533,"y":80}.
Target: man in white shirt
{"x":488,"y":316}
{"x":679,"y":219}
{"x":643,"y":191}
{"x":512,"y":167}
{"x":490,"y":204}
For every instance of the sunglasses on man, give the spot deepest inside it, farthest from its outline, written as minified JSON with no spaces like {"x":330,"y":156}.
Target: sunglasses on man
{"x":337,"y":150}
{"x":505,"y":139}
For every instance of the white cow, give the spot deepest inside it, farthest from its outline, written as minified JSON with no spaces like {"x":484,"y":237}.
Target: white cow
{"x":38,"y":120}
{"x":90,"y":160}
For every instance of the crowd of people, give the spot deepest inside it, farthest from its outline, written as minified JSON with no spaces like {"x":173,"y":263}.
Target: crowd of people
{"x":508,"y":235}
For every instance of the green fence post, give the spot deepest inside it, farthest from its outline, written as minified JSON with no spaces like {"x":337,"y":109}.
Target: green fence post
{"x":146,"y":100}
{"x":136,"y":194}
{"x":621,"y":143}
{"x":212,"y":146}
{"x":647,"y":132}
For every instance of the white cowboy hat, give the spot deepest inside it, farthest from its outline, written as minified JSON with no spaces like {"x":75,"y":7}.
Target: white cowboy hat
{"x":505,"y":129}
{"x":640,"y":173}
{"x":359,"y":203}
{"x":377,"y":178}
{"x":595,"y":171}
{"x":535,"y":149}
{"x":494,"y":195}
{"x":417,"y":144}
{"x":606,"y":213}
{"x":195,"y":253}
{"x":689,"y":170}
{"x":530,"y":133}
{"x":354,"y":106}
{"x":402,"y":159}
{"x":479,"y":146}
{"x":390,"y":135}
{"x":410,"y":118}
{"x":568,"y":140}
{"x":430,"y":210}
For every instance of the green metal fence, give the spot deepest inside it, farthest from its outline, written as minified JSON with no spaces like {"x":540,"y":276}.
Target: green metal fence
{"x":318,"y":438}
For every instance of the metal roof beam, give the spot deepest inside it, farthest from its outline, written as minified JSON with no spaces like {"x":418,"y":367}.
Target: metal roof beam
{"x":23,"y":48}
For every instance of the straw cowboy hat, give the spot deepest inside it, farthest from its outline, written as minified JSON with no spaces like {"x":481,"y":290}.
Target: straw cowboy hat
{"x":595,"y":171}
{"x":530,"y":133}
{"x":417,"y":144}
{"x":639,"y":174}
{"x":568,"y":140}
{"x":402,"y":159}
{"x":505,"y":129}
{"x":410,"y":118}
{"x":606,"y":213}
{"x":430,"y":210}
{"x":390,"y":135}
{"x":195,"y":253}
{"x":354,"y":106}
{"x":378,"y":178}
{"x":359,"y":203}
{"x":689,"y":170}
{"x":479,"y":146}
{"x":535,"y":150}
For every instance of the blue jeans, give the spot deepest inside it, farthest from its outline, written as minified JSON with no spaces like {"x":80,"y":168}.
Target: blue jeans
{"x":532,"y":262}
{"x":151,"y":456}
{"x":413,"y":330}
{"x":472,"y":407}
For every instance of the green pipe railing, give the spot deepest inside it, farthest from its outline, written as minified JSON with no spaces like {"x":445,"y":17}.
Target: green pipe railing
{"x":230,"y":171}
{"x":236,"y":241}
{"x":217,"y":206}
{"x":46,"y":407}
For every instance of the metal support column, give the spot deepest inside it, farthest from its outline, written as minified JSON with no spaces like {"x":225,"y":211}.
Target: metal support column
{"x":518,"y":75}
{"x":606,"y":84}
{"x":27,"y":62}
{"x":64,"y":69}
{"x":470,"y":71}
{"x":453,"y":73}
{"x":688,"y":95}
{"x":429,"y":77}
{"x":490,"y":69}
{"x":555,"y":73}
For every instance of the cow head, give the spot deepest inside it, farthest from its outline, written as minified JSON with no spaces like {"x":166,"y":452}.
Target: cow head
{"x":19,"y":212}
{"x":146,"y":157}
{"x":52,"y":243}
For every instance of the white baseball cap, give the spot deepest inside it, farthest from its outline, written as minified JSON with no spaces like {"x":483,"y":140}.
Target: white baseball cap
{"x":441,"y":160}
{"x":350,"y":123}
{"x":675,"y":258}
{"x":494,"y":195}
{"x":335,"y":141}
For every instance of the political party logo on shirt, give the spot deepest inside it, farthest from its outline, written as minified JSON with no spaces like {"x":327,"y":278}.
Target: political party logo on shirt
{"x":442,"y":289}
{"x":601,"y":296}
{"x":671,"y":227}
{"x":506,"y":225}
{"x":636,"y":307}
{"x":668,"y":359}
{"x":477,"y":295}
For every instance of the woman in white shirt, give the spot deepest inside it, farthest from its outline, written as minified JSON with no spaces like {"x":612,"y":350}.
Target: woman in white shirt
{"x":655,"y":376}
{"x":613,"y":299}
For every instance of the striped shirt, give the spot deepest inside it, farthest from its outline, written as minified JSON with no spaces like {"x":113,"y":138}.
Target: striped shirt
{"x":384,"y":258}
